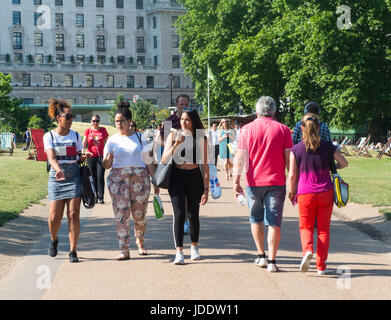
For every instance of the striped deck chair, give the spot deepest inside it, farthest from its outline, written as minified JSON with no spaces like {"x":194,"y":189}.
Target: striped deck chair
{"x":6,"y":145}
{"x":343,"y":145}
{"x":386,"y":150}
{"x":362,"y":148}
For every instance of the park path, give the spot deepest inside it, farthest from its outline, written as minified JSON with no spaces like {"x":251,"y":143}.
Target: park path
{"x":362,"y":265}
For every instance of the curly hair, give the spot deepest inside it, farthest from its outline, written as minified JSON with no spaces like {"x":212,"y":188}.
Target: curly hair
{"x":56,"y":107}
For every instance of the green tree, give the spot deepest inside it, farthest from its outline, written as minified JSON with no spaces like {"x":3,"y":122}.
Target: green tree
{"x":142,"y":113}
{"x":120,"y":97}
{"x":14,"y":117}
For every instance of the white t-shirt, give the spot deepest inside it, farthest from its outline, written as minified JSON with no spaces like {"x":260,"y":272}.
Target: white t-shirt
{"x":65,"y":147}
{"x":214,"y":137}
{"x":127,"y":150}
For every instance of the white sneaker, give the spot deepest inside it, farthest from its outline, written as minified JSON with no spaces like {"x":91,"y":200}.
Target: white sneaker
{"x":194,"y":253}
{"x":324,"y":272}
{"x":271,"y":267}
{"x":306,"y":261}
{"x":260,"y":262}
{"x":179,"y":258}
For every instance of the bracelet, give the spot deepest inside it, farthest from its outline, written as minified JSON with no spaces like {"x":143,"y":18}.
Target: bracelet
{"x":206,"y":189}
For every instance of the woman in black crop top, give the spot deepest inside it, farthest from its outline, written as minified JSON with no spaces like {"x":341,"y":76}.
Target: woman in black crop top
{"x":189,"y":186}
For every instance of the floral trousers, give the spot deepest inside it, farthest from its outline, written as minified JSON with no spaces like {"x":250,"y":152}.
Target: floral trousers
{"x":129,"y":189}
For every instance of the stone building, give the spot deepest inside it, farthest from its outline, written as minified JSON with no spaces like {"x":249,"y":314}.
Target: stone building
{"x":89,"y":51}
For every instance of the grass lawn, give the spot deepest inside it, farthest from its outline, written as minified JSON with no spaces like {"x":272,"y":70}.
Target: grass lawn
{"x":81,"y":127}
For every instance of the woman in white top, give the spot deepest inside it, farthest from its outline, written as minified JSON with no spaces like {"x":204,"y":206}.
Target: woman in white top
{"x":63,"y":147}
{"x":129,"y":179}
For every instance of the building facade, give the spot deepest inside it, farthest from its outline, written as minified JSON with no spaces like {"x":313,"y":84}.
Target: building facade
{"x":89,"y":51}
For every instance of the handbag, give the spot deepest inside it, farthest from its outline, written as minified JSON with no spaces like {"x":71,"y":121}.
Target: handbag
{"x":162,"y":175}
{"x":88,"y":191}
{"x":341,"y":188}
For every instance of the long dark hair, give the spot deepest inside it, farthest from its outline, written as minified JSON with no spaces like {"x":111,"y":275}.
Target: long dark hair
{"x":195,"y":119}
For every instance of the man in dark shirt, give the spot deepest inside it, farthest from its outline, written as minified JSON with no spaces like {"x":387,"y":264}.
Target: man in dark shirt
{"x":182,"y":102}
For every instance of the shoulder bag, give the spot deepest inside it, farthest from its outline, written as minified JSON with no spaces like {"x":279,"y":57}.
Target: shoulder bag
{"x":341,"y":188}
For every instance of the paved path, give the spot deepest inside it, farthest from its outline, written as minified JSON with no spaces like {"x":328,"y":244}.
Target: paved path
{"x":225,"y":272}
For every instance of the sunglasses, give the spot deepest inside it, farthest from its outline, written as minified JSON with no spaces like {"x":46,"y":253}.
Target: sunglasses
{"x":68,"y":116}
{"x":132,"y":126}
{"x":96,"y":121}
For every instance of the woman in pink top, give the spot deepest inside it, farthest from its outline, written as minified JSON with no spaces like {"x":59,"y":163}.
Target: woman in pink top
{"x":310,"y":181}
{"x":95,"y":139}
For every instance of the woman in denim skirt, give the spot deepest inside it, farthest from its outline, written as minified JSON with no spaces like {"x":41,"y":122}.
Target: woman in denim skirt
{"x":63,"y":147}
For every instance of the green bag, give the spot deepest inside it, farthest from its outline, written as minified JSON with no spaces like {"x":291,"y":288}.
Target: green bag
{"x":158,"y":207}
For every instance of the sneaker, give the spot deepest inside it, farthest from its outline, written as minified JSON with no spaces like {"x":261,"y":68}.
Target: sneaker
{"x":186,"y":227}
{"x":271,"y":266}
{"x":261,"y":261}
{"x":306,"y":261}
{"x":194,"y":254}
{"x":73,"y":257}
{"x":324,"y":272}
{"x":179,"y":258}
{"x":53,"y":248}
{"x":101,"y":201}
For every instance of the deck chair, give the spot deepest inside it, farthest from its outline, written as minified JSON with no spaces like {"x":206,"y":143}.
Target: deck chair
{"x":386,"y":150}
{"x":362,"y":148}
{"x":343,"y":145}
{"x":6,"y":145}
{"x":37,"y":141}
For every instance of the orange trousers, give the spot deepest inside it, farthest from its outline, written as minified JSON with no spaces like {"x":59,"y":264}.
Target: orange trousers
{"x":316,"y":208}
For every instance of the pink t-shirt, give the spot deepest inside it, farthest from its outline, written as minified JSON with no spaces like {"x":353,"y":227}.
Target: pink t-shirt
{"x":266,"y":141}
{"x":96,"y":139}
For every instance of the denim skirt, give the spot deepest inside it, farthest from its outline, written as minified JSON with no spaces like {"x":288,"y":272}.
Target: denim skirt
{"x":70,"y":188}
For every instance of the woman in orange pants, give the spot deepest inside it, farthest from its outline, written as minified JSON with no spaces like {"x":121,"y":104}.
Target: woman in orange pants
{"x":311,"y":186}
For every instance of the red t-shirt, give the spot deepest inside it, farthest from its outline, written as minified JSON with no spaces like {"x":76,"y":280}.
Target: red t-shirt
{"x":266,"y":141}
{"x":95,"y":140}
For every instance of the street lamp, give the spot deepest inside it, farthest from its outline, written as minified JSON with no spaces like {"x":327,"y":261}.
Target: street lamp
{"x":171,"y":76}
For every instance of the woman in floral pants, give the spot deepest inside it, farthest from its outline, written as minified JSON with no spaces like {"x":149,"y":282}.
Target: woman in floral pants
{"x":128,"y":181}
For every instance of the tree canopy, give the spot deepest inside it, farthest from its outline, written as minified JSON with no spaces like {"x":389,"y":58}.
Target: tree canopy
{"x":335,"y":52}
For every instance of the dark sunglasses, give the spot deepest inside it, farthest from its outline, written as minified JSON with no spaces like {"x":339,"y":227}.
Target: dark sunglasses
{"x":132,"y":126}
{"x":68,"y":116}
{"x":95,"y":120}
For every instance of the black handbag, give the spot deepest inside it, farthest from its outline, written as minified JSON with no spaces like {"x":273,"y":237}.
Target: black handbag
{"x":162,"y":175}
{"x":88,"y":191}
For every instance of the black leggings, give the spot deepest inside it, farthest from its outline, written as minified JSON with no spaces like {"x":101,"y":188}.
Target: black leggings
{"x":186,"y":189}
{"x":98,"y":175}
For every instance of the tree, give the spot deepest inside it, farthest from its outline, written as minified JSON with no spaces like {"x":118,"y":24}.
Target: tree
{"x":14,"y":117}
{"x":120,"y":97}
{"x":142,"y":113}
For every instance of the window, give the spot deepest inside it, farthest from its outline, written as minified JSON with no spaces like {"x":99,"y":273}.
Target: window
{"x":139,"y":4}
{"x":101,"y":59}
{"x":47,"y":80}
{"x":100,"y":21}
{"x":90,"y":101}
{"x":173,"y":20}
{"x":16,"y":17}
{"x":79,"y":3}
{"x":18,"y":57}
{"x":120,"y":42}
{"x":81,"y":58}
{"x":150,"y":82}
{"x":60,"y":57}
{"x":100,"y":3}
{"x":100,"y":43}
{"x":58,"y":2}
{"x":38,"y":39}
{"x":38,"y":2}
{"x":155,"y":42}
{"x":68,"y":80}
{"x":155,"y":60}
{"x":121,"y":59}
{"x":175,"y":62}
{"x":59,"y":19}
{"x":17,"y":40}
{"x":16,"y":1}
{"x":140,"y":44}
{"x":120,"y":4}
{"x":38,"y":58}
{"x":120,"y":22}
{"x":80,"y":20}
{"x":140,"y":59}
{"x":139,"y":22}
{"x":90,"y":80}
{"x":154,"y":22}
{"x":26,"y":80}
{"x":176,"y":82}
{"x":175,"y":41}
{"x":110,"y":81}
{"x":130,"y":81}
{"x":60,"y":42}
{"x":37,"y":18}
{"x":80,"y":41}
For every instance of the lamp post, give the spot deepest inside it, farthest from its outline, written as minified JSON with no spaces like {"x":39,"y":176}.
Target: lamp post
{"x":171,"y":76}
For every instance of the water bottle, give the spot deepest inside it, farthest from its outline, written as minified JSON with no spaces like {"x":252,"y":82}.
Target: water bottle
{"x":242,"y":200}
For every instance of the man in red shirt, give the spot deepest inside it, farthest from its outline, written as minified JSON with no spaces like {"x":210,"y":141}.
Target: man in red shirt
{"x":263,"y":151}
